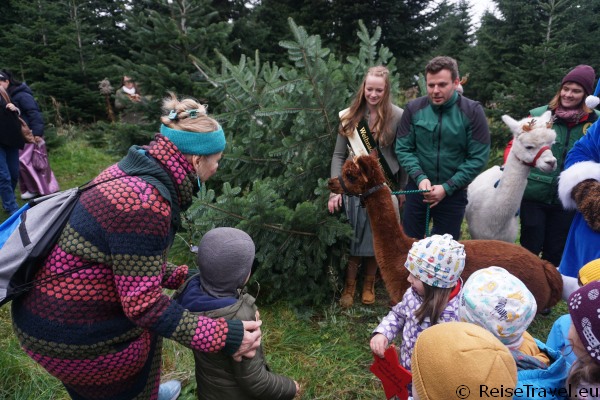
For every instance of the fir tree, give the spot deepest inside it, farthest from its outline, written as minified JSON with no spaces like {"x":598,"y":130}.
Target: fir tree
{"x":164,"y":36}
{"x":452,"y":33}
{"x":282,"y":124}
{"x":62,"y":49}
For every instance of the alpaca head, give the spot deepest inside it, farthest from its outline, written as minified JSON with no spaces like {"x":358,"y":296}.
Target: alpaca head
{"x":532,"y":141}
{"x":359,"y":174}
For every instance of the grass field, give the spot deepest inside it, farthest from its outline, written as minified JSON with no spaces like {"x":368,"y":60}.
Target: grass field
{"x":326,"y":349}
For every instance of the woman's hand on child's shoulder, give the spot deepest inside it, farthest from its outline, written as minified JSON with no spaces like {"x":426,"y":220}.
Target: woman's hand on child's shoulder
{"x":378,"y":344}
{"x":251,"y":340}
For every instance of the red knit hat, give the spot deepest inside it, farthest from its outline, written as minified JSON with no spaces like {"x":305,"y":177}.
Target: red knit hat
{"x":583,"y":75}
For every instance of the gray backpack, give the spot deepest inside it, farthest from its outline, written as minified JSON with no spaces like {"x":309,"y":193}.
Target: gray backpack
{"x":28,"y":236}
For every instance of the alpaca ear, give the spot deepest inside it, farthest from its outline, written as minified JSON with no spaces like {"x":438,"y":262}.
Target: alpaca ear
{"x":365,"y":164}
{"x":512,"y":125}
{"x":547,"y":119}
{"x":546,"y":116}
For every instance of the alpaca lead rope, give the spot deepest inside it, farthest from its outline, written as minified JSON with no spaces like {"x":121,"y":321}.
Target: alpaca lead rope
{"x":428,"y":206}
{"x":410,"y":191}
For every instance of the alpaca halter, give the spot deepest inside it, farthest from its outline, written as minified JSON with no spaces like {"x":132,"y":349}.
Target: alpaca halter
{"x":361,"y":196}
{"x":537,"y":157}
{"x":369,"y":192}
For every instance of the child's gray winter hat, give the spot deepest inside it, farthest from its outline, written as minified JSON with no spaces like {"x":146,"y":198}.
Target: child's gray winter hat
{"x":225,"y":257}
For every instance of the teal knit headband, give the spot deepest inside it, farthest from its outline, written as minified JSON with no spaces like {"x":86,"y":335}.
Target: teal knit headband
{"x":197,"y":143}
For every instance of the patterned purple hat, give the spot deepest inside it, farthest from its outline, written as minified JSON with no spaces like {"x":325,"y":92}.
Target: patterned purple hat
{"x":584,"y":307}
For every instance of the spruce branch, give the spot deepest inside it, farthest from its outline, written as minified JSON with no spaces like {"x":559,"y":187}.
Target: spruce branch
{"x":269,"y":226}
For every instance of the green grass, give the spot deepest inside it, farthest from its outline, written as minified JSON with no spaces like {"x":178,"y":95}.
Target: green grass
{"x":325,"y":349}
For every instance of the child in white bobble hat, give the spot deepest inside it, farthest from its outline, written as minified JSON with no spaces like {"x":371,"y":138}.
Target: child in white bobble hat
{"x":435,"y":264}
{"x":500,"y":302}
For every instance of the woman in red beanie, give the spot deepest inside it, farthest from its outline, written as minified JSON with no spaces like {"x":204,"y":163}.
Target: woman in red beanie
{"x":544,"y":222}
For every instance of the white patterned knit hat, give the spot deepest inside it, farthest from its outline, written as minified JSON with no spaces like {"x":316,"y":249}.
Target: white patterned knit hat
{"x":500,"y":302}
{"x":437,"y":260}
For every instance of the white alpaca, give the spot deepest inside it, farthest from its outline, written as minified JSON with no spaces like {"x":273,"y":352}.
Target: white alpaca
{"x":495,"y":195}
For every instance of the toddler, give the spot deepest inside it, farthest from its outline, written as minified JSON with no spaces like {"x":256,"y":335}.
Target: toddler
{"x":558,"y":336}
{"x":584,"y":335}
{"x":454,"y":359}
{"x":501,"y":303}
{"x":225,"y":257}
{"x":435,"y":264}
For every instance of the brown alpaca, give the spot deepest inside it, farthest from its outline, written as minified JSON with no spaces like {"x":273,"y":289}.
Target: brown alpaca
{"x":363,"y":177}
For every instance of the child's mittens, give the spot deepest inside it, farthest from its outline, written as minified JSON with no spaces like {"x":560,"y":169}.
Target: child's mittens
{"x":587,"y":198}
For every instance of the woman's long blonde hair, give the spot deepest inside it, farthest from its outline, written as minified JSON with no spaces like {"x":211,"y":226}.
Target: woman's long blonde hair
{"x":382,"y":128}
{"x":184,"y":122}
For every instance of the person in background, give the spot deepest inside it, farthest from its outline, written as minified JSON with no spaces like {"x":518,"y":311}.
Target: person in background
{"x":544,"y":222}
{"x":33,"y":181}
{"x":584,"y":334}
{"x":443,"y":142}
{"x":456,"y":359}
{"x":11,"y":141}
{"x":372,"y":109}
{"x":97,"y":317}
{"x":127,"y":101}
{"x":225,"y":259}
{"x":558,"y":336}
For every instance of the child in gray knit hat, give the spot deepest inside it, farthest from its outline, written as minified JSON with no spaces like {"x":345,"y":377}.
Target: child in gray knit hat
{"x":225,"y":258}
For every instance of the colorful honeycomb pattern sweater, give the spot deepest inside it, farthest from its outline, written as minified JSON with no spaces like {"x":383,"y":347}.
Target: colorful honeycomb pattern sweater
{"x":99,"y":329}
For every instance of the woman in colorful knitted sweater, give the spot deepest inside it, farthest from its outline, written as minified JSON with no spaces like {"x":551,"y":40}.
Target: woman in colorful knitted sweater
{"x":97,"y":316}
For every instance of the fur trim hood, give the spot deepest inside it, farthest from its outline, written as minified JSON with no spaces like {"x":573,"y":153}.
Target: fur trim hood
{"x":570,"y":177}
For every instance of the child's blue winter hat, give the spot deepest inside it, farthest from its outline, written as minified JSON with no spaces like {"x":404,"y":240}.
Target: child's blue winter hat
{"x":437,"y":260}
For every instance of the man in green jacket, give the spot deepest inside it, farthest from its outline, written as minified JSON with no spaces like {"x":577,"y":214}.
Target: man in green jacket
{"x":443,"y":142}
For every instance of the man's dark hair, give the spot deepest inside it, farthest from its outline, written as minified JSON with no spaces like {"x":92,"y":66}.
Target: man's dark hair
{"x":442,"y":62}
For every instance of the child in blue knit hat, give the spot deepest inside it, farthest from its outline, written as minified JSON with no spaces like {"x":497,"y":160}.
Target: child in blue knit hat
{"x":225,"y":259}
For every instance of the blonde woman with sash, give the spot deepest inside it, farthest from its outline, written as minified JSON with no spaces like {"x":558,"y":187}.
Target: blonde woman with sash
{"x":373,"y":114}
